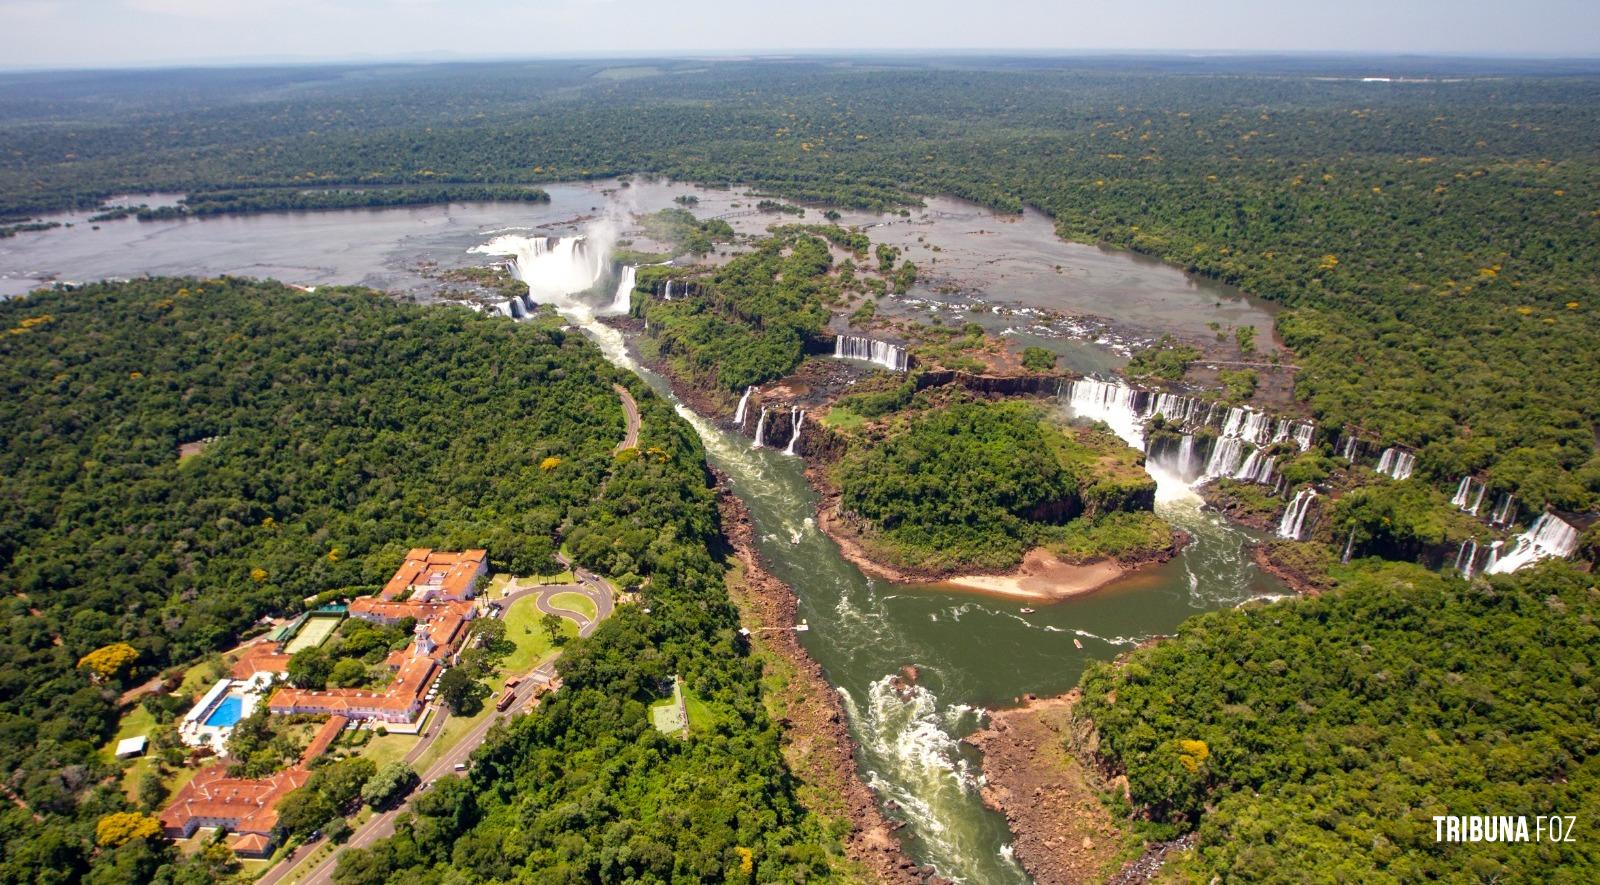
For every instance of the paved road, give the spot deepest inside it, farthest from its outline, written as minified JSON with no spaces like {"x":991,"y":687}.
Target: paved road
{"x":381,"y":826}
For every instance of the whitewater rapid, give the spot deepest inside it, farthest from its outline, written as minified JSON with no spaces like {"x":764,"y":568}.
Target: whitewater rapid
{"x":909,"y":733}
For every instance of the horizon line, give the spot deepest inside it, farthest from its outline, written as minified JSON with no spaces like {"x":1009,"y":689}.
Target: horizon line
{"x":443,"y":58}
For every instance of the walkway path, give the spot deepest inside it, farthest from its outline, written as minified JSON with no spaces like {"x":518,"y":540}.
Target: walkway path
{"x":631,"y":410}
{"x":381,"y":826}
{"x":597,"y":589}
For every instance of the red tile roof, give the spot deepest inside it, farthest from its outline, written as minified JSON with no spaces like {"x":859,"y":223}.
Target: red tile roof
{"x":239,"y":804}
{"x":451,"y":575}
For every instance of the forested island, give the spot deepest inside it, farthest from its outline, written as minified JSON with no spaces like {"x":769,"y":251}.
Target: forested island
{"x":187,"y":456}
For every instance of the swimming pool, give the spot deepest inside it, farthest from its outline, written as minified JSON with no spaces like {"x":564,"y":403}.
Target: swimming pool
{"x":227,"y":712}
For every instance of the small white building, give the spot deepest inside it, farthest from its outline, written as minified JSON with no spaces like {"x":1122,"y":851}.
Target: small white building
{"x":128,"y":748}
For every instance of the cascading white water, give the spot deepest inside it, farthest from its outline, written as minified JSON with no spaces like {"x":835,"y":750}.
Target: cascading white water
{"x":554,"y":268}
{"x":667,"y":296}
{"x":1176,"y":408}
{"x":797,"y":417}
{"x":738,"y":414}
{"x":1469,"y":495}
{"x":1256,"y":468}
{"x":1349,"y":546}
{"x":1494,"y":556}
{"x":622,"y":300}
{"x":1478,"y":501}
{"x":1116,"y":405}
{"x":1347,"y":450}
{"x":1281,"y":431}
{"x":761,"y":428}
{"x":1304,"y":433}
{"x":1465,"y":557}
{"x":1294,"y":517}
{"x":1549,"y":537}
{"x":1226,"y":456}
{"x":854,"y":347}
{"x":1505,"y":512}
{"x":1182,"y":460}
{"x":1396,"y":463}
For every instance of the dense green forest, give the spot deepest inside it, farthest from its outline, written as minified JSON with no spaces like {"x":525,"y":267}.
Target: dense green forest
{"x":1324,"y":734}
{"x":751,"y":319}
{"x":345,"y":428}
{"x":1433,"y":237}
{"x":976,"y":484}
{"x":243,"y":202}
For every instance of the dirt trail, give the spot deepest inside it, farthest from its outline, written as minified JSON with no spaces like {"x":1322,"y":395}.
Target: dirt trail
{"x":630,"y":439}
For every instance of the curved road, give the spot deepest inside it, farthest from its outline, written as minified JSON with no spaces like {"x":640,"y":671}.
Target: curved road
{"x":380,"y":826}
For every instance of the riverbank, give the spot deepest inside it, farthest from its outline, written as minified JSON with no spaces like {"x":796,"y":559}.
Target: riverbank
{"x":1063,"y":832}
{"x":816,"y":740}
{"x":1043,"y":576}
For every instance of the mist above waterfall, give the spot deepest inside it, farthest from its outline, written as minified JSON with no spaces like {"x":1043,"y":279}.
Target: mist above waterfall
{"x":558,"y":269}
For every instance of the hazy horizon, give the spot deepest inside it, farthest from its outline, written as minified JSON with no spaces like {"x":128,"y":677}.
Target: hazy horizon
{"x":39,"y":34}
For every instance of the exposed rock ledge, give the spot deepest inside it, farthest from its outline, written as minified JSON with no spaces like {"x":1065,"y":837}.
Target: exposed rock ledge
{"x":816,"y":739}
{"x":1063,"y":833}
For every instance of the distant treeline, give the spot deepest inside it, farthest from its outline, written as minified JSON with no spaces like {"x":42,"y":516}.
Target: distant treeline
{"x":280,"y":199}
{"x":1434,"y":240}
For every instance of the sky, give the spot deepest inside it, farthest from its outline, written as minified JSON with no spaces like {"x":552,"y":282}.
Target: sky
{"x":115,"y":33}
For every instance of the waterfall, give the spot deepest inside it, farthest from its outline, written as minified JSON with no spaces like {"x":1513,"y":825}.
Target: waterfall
{"x":1494,"y":556}
{"x":1349,"y":546}
{"x":1304,"y":433}
{"x":1256,"y":468}
{"x":1281,"y":431}
{"x":1548,"y":537}
{"x":1247,"y":424}
{"x":1116,"y":405}
{"x":797,"y":417}
{"x":738,"y":414}
{"x":761,"y":428}
{"x":1188,"y":463}
{"x":1294,"y":517}
{"x":622,"y":301}
{"x":1347,"y":451}
{"x":552,"y":267}
{"x":1176,"y":408}
{"x":1464,"y":494}
{"x":1396,"y":463}
{"x":1465,"y":556}
{"x":668,"y":295}
{"x":1505,"y":512}
{"x":854,"y":347}
{"x":1225,"y":457}
{"x":1181,"y":457}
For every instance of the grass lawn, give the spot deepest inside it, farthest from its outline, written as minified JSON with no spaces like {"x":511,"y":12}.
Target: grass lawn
{"x":842,"y":418}
{"x":533,"y":644}
{"x":557,"y":578}
{"x":387,"y":748}
{"x":454,"y":728}
{"x":576,"y":602}
{"x":700,"y":715}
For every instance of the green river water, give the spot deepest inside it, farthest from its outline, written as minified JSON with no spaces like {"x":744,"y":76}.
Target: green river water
{"x":971,"y":652}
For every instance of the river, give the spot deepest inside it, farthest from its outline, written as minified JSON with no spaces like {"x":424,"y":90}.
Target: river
{"x":971,"y":652}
